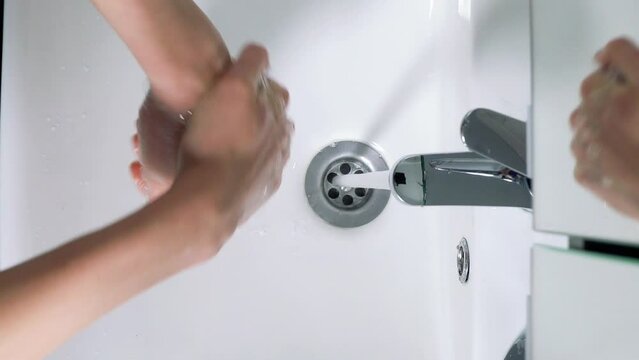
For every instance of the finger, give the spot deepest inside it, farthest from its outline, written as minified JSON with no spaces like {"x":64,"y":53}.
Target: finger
{"x":135,"y":140}
{"x":251,"y":65}
{"x":286,"y":147}
{"x":618,"y":160}
{"x":584,"y":147}
{"x":623,"y":55}
{"x":136,"y":174}
{"x":577,"y":118}
{"x":607,"y":157}
{"x":594,"y":81}
{"x":280,"y":91}
{"x":615,"y":198}
{"x":618,"y":116}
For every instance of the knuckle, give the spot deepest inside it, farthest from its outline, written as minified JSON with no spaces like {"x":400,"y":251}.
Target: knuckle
{"x":574,"y":118}
{"x":575,"y":148}
{"x":581,"y":174}
{"x":621,"y":107}
{"x":257,"y":49}
{"x":618,"y":44}
{"x":586,"y":87}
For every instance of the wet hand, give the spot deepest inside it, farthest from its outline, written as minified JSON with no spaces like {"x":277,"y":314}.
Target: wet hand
{"x":236,"y":144}
{"x":157,"y":142}
{"x":606,"y":128}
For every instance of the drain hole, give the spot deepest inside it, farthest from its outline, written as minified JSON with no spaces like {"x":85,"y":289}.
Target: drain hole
{"x":359,"y":172}
{"x":333,"y":193}
{"x":360,"y":192}
{"x":345,"y":169}
{"x":347,"y":200}
{"x":399,"y":178}
{"x":330,"y":177}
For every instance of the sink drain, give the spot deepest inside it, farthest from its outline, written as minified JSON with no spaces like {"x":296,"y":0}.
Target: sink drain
{"x":344,"y":206}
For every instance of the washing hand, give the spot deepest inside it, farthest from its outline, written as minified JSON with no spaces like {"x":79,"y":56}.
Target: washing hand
{"x":606,"y":128}
{"x":236,"y":144}
{"x":158,"y":138}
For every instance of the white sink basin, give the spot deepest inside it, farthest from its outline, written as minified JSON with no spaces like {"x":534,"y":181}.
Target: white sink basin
{"x":398,"y":74}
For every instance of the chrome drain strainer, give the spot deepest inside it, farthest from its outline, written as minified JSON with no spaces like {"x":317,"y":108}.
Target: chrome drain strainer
{"x":343,"y":206}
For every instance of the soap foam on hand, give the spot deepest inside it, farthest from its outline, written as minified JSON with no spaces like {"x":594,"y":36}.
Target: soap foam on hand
{"x":371,"y":180}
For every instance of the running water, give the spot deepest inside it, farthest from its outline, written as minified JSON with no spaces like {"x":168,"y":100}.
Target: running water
{"x":371,"y":180}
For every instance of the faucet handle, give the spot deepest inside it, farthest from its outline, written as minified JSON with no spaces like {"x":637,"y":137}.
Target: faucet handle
{"x":497,"y":137}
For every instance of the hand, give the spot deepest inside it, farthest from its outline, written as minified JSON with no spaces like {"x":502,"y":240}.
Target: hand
{"x":183,"y":55}
{"x":157,"y":142}
{"x":236,"y":144}
{"x":156,"y":145}
{"x":606,"y":127}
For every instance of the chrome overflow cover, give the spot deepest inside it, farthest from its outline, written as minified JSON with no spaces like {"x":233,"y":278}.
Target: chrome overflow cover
{"x":463,"y":261}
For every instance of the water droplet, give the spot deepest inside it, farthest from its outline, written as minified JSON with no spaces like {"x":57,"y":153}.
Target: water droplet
{"x":54,"y":128}
{"x":333,"y":145}
{"x":86,"y":68}
{"x":47,"y":119}
{"x":294,"y":165}
{"x":63,"y":68}
{"x":259,"y":232}
{"x":83,"y":115}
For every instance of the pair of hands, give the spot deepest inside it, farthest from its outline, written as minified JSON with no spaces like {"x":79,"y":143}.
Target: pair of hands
{"x":606,"y":128}
{"x":229,"y":151}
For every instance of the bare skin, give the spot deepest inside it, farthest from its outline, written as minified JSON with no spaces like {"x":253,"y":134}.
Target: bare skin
{"x":227,"y":160}
{"x":606,"y":128}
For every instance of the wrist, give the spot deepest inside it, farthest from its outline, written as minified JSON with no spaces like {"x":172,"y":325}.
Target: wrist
{"x":182,"y":81}
{"x":202,"y":228}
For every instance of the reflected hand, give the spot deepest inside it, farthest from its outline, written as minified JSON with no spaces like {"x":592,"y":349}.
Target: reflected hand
{"x":606,"y":128}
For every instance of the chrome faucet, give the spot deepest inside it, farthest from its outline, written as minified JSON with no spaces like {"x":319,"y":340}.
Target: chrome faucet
{"x":493,"y":173}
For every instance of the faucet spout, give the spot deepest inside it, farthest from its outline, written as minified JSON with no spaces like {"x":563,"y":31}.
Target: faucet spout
{"x":497,"y":137}
{"x":464,"y":179}
{"x":492,"y":174}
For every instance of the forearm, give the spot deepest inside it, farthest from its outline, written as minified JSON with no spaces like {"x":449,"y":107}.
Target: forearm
{"x":46,"y":300}
{"x":174,"y":42}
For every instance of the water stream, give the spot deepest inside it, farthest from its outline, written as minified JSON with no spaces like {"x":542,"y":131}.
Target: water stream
{"x":371,"y":180}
